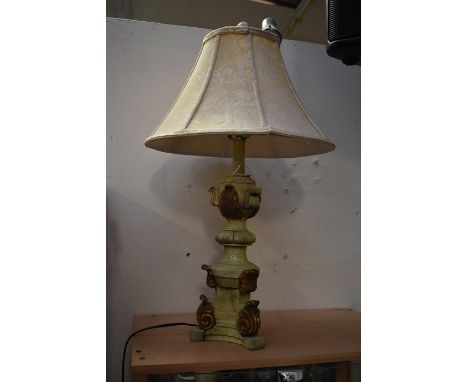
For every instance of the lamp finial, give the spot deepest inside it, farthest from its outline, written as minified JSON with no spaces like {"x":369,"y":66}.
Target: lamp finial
{"x":269,"y":25}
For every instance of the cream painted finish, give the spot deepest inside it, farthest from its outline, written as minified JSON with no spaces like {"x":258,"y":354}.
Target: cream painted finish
{"x":161,"y":224}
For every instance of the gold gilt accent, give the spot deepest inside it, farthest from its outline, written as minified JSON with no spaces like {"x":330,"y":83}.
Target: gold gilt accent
{"x":205,"y":314}
{"x":210,"y":278}
{"x":238,"y":197}
{"x":249,"y":319}
{"x":229,"y":204}
{"x":248,"y":281}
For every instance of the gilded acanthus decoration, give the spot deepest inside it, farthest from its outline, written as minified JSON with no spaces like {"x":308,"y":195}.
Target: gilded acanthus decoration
{"x":248,"y":281}
{"x":229,"y":203}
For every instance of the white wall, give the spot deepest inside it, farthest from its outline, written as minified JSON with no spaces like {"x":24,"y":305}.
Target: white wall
{"x":308,"y":227}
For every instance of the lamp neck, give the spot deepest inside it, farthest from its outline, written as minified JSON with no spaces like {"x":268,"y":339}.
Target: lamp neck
{"x":238,"y":154}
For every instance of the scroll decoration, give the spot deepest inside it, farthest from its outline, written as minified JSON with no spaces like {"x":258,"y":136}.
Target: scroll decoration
{"x":249,"y":319}
{"x":205,"y":314}
{"x":210,"y":278}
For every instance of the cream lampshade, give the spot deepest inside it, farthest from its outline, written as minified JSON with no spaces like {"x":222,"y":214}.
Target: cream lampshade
{"x":239,"y":86}
{"x":238,"y":101}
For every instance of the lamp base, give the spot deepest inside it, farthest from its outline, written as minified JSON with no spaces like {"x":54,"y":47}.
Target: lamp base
{"x":256,"y":342}
{"x":231,"y":315}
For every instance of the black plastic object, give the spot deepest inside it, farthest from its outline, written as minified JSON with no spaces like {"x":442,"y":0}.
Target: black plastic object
{"x":344,"y":30}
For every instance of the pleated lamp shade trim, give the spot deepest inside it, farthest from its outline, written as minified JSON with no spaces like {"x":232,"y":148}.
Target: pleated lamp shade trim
{"x":239,"y":86}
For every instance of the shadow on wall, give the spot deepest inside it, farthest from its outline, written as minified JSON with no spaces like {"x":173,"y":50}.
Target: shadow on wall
{"x":148,"y":270}
{"x":189,"y":195}
{"x":146,"y":250}
{"x":278,"y":185}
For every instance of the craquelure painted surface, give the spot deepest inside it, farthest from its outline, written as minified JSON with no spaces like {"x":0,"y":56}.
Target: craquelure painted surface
{"x":234,"y":317}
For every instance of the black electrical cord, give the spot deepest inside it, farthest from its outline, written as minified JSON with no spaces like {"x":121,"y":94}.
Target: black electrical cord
{"x":142,"y":330}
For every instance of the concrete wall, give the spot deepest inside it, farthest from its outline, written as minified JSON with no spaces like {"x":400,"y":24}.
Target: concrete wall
{"x":160,"y":222}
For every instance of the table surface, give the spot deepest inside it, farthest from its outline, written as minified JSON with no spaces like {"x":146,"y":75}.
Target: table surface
{"x":292,"y":337}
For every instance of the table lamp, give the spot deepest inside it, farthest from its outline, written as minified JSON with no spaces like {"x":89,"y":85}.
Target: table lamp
{"x":237,"y":102}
